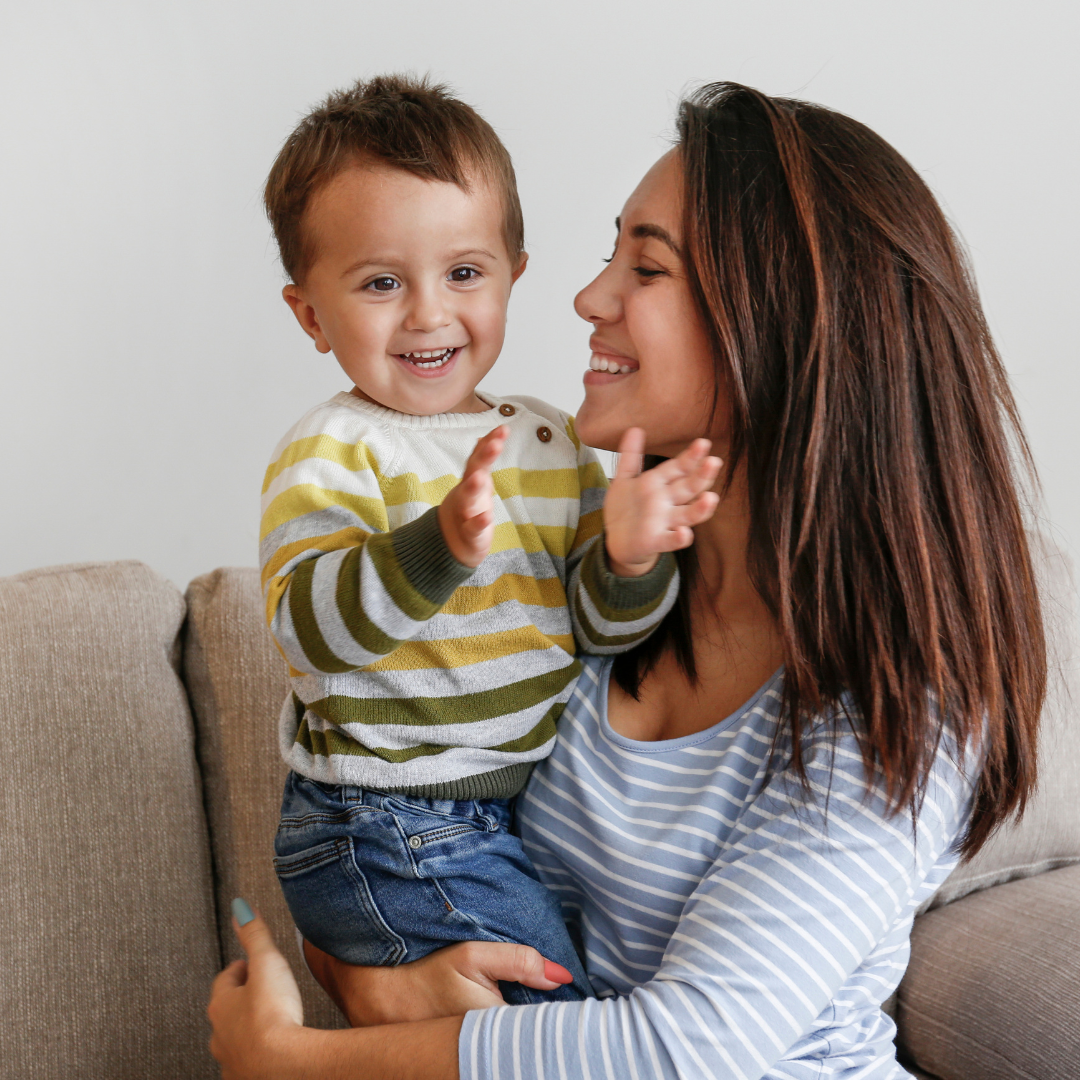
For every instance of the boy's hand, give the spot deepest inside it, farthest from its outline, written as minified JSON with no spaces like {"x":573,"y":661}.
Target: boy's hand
{"x":646,"y":513}
{"x":465,"y":515}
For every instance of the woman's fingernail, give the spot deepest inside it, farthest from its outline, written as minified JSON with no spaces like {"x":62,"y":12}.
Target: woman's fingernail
{"x":556,"y":973}
{"x":242,"y":912}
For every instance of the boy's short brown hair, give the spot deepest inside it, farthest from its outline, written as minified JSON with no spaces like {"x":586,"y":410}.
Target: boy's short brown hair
{"x":398,"y":120}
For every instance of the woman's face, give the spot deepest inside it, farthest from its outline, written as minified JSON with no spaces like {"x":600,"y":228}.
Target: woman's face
{"x":651,"y":364}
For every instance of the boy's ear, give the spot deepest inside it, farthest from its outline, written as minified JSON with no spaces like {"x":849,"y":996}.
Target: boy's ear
{"x":305,"y":316}
{"x":520,"y":267}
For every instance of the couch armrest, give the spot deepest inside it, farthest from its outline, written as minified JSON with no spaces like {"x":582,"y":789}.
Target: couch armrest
{"x":993,"y":988}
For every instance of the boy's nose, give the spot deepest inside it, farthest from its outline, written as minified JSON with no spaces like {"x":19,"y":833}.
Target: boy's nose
{"x":427,"y":312}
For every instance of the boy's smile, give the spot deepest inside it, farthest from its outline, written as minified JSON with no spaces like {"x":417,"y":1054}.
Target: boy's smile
{"x":408,"y":286}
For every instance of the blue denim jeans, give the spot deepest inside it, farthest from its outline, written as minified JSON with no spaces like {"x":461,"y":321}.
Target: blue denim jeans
{"x":382,"y":879}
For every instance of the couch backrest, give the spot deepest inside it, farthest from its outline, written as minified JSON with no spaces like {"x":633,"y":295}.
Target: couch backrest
{"x":241,"y":678}
{"x":237,"y":682}
{"x":106,"y":926}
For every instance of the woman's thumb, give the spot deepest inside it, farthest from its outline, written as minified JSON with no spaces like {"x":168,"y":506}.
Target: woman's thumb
{"x":522,"y":964}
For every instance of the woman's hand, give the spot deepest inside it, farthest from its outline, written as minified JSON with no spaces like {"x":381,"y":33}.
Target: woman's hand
{"x":255,"y":1008}
{"x":448,"y":982}
{"x":646,"y":513}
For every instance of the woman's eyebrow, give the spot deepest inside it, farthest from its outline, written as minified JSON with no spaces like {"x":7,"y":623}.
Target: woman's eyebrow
{"x":646,"y":230}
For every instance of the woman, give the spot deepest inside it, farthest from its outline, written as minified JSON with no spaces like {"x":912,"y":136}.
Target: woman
{"x":742,"y":816}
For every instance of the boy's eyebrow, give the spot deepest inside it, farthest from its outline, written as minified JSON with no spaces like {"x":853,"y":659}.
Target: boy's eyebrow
{"x":646,"y":230}
{"x":361,"y":263}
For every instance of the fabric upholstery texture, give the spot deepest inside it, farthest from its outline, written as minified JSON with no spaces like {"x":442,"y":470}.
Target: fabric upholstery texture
{"x":237,"y":683}
{"x":1048,"y":835}
{"x":106,"y":930}
{"x":991,"y":991}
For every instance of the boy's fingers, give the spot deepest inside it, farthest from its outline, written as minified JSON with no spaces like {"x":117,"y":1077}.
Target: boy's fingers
{"x":631,"y":453}
{"x":488,"y":448}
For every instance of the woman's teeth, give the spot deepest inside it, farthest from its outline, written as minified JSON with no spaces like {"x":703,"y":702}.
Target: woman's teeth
{"x":609,"y":363}
{"x":431,"y":359}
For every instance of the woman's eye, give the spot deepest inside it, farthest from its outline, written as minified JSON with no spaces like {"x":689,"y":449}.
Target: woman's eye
{"x":644,"y":272}
{"x":461,"y":274}
{"x":382,"y":284}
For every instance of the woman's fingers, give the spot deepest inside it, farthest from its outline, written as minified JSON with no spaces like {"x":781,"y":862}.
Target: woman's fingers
{"x":232,"y":976}
{"x":631,"y":453}
{"x":513,"y":963}
{"x":268,"y":972}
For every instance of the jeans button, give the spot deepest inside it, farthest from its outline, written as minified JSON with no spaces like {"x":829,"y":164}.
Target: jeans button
{"x":415,"y":842}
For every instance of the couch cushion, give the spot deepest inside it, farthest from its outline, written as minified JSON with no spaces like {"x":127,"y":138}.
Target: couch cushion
{"x":106,"y":925}
{"x":237,"y":683}
{"x":1048,"y":835}
{"x":993,"y":989}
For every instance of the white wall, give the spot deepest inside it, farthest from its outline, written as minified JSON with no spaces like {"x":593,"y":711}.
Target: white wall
{"x":148,"y":365}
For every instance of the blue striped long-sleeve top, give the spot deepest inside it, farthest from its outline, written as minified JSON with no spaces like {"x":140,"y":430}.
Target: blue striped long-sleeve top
{"x":733,"y":926}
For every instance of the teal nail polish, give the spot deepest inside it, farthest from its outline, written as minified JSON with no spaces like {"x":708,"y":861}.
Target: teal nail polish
{"x":242,"y":912}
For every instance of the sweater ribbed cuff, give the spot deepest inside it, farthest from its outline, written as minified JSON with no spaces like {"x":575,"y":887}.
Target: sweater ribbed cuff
{"x":627,"y":594}
{"x":428,"y":564}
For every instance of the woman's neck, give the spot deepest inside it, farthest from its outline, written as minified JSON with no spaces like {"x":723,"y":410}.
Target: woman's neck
{"x":737,"y":646}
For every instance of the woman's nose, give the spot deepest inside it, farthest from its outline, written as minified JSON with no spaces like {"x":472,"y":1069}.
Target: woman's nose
{"x":598,"y":301}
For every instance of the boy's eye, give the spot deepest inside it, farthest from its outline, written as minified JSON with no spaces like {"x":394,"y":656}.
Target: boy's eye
{"x":462,"y":274}
{"x":382,"y":284}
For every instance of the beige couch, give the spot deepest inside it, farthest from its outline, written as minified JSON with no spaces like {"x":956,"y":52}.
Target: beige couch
{"x":141,"y":796}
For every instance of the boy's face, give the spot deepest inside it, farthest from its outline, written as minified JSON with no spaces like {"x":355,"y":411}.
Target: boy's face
{"x":406,"y":266}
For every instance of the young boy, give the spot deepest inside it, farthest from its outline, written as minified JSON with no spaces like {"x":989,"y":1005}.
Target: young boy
{"x":429,"y":607}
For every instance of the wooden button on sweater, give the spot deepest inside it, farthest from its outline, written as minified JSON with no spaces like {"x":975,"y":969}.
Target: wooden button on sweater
{"x":507,"y":410}
{"x":543,"y":434}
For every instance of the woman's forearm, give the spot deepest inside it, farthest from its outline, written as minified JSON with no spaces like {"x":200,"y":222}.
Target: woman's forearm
{"x":425,"y":1050}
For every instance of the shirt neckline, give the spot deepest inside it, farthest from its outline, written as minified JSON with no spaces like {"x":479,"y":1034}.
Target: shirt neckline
{"x":662,"y":746}
{"x":487,"y":419}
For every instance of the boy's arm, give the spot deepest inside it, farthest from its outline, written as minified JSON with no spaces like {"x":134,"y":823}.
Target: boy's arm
{"x":342,"y":588}
{"x":610,"y":614}
{"x":342,"y":610}
{"x":626,"y":580}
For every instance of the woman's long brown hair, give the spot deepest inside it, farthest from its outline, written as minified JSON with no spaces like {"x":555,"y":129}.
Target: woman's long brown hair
{"x":883,"y":451}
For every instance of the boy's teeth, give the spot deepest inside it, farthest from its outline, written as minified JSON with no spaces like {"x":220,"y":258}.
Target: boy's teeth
{"x":436,"y":357}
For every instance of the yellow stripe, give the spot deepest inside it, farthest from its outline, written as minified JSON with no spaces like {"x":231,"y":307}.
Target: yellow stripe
{"x":351,"y":456}
{"x":335,"y":541}
{"x":302,"y":499}
{"x":461,"y":652}
{"x":531,"y":538}
{"x":571,"y":431}
{"x":471,"y":599}
{"x":537,"y":483}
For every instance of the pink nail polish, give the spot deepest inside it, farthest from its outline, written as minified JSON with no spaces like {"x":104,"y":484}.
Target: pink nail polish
{"x":556,"y":973}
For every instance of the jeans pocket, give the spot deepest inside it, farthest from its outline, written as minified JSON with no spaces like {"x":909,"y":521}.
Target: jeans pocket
{"x":332,"y":905}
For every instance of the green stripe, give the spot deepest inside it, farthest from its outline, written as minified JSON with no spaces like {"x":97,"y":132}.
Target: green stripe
{"x":400,"y":590}
{"x":603,"y":641}
{"x":325,"y":743}
{"x":454,"y":709}
{"x":427,"y":561}
{"x":619,"y":599}
{"x":347,"y":596}
{"x":302,"y":611}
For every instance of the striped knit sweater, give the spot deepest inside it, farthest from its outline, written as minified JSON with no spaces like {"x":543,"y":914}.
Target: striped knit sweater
{"x":411,"y":672}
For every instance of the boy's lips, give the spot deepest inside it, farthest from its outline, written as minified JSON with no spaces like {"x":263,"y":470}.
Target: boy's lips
{"x":430,"y":363}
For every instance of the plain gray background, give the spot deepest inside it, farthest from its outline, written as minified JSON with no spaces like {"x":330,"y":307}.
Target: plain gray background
{"x":149,"y":365}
